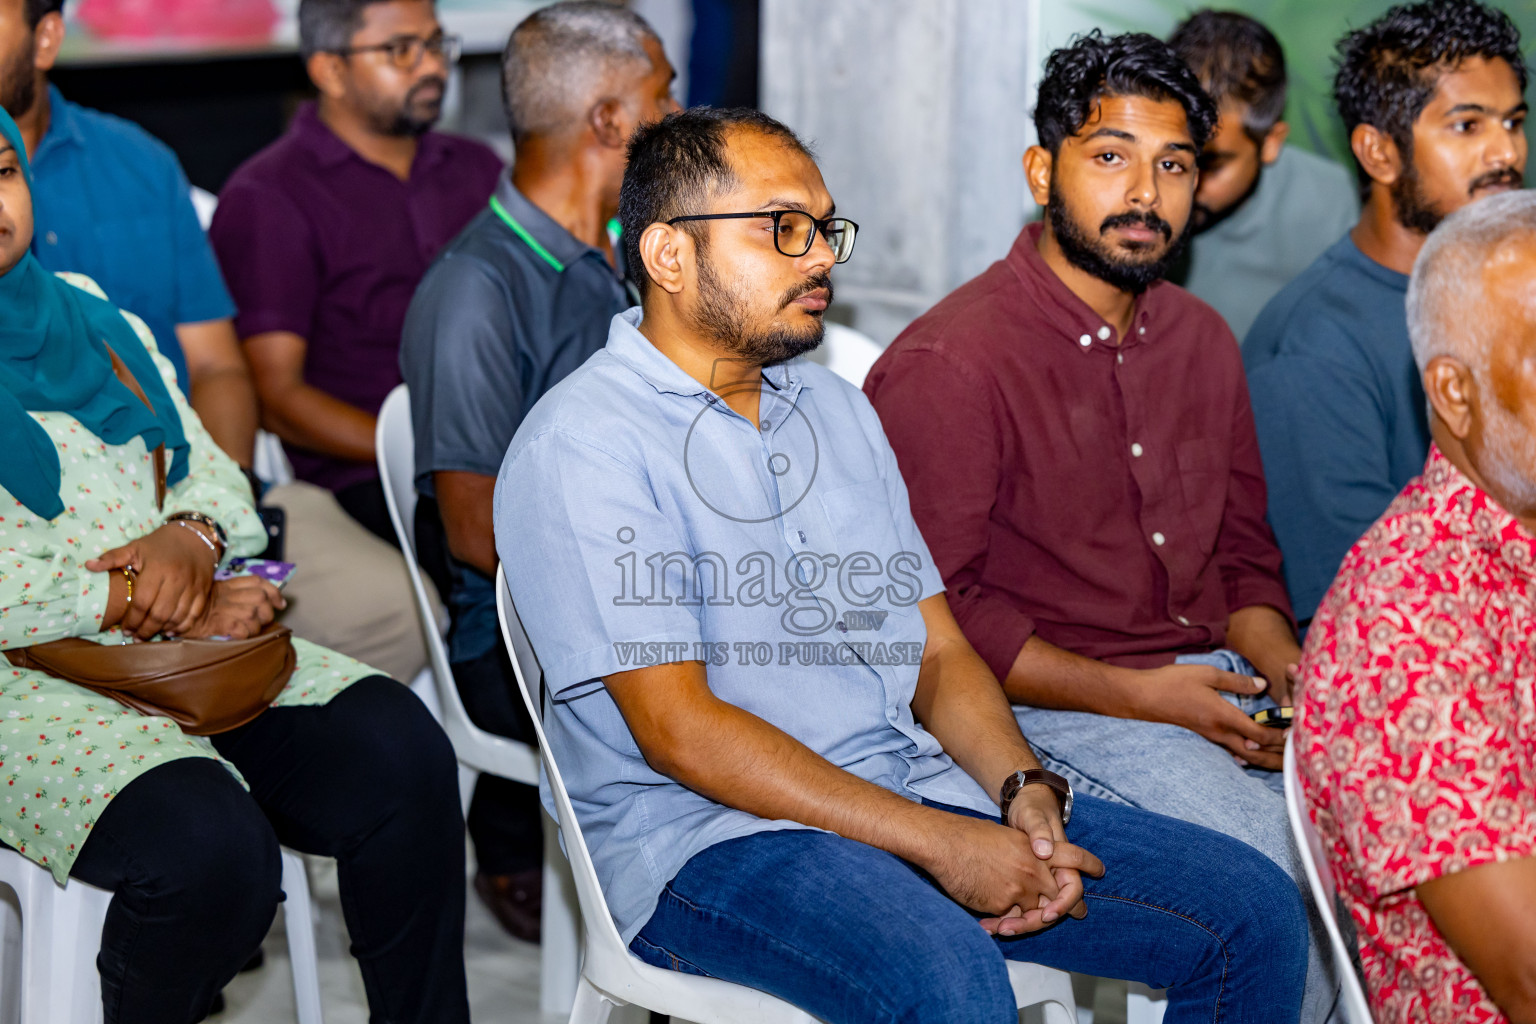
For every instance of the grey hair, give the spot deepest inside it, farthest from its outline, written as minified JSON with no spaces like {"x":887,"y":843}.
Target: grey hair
{"x":1448,"y":309}
{"x":328,"y":25}
{"x":560,"y":57}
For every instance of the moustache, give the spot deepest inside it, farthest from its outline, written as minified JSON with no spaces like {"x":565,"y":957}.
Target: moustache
{"x":1148,"y":220}
{"x":1508,"y":176}
{"x":810,"y":284}
{"x":431,"y":81}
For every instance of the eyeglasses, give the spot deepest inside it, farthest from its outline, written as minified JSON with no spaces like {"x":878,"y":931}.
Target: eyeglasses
{"x":406,"y":52}
{"x":794,"y":231}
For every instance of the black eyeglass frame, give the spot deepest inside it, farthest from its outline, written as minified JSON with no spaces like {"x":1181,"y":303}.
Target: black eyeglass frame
{"x":817,"y":226}
{"x":449,"y":47}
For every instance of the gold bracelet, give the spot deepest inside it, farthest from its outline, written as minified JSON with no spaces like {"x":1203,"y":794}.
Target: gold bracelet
{"x":128,"y":576}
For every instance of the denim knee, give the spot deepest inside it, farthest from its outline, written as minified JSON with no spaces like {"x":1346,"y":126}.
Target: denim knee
{"x":1268,"y":928}
{"x":961,"y":976}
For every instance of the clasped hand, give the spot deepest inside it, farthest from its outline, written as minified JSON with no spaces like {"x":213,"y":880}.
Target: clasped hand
{"x":1026,"y":876}
{"x":174,"y":592}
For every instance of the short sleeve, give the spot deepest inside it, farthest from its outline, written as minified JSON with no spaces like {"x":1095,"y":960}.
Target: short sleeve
{"x":458,"y":353}
{"x":270,"y":259}
{"x":1431,"y":753}
{"x":200,"y":291}
{"x":566,"y":516}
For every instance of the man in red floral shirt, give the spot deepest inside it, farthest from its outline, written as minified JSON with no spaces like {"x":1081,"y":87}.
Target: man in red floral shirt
{"x":1417,"y":738}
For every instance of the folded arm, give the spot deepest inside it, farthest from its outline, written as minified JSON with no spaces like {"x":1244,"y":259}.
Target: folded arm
{"x":737,"y":759}
{"x":1486,"y":915}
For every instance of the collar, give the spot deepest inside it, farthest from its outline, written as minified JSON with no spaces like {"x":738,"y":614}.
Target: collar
{"x":63,"y":126}
{"x":1467,"y":509}
{"x":329,"y":151}
{"x":634,"y":350}
{"x":1353,"y":254}
{"x":1073,"y":317}
{"x":551,"y":242}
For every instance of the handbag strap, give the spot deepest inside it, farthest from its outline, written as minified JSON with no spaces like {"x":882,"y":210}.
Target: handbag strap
{"x":132,"y":384}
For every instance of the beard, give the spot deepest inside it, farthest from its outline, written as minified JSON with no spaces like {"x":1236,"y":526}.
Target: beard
{"x":723,"y":315}
{"x":1109,"y":263}
{"x":415,"y":116}
{"x":1417,"y":211}
{"x":1203,"y":218}
{"x":18,"y":82}
{"x":1507,"y":459}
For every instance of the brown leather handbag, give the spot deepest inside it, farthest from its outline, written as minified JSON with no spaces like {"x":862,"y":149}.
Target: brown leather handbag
{"x":205,"y":686}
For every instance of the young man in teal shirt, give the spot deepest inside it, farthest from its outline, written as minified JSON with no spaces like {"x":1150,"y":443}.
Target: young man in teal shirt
{"x":1337,"y":401}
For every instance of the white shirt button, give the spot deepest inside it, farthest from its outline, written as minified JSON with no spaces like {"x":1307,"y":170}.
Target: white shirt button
{"x":1141,"y":330}
{"x":1158,"y":539}
{"x":1119,"y":357}
{"x":1104,"y":333}
{"x":1085,"y":340}
{"x":1183,"y":621}
{"x":51,"y":238}
{"x":1136,"y":450}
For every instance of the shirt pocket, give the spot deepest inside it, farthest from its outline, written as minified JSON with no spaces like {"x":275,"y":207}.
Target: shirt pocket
{"x":1205,"y":466}
{"x":874,"y":573}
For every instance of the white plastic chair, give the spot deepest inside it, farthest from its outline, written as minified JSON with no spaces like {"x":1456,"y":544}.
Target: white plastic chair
{"x":60,"y":935}
{"x":612,"y":977}
{"x":1352,"y":1002}
{"x":476,"y":749}
{"x":847,"y":353}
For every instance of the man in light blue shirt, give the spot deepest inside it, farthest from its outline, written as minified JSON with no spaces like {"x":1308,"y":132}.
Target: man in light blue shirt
{"x":787,"y":761}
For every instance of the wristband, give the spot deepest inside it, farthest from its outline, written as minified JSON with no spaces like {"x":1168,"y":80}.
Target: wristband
{"x":128,"y":577}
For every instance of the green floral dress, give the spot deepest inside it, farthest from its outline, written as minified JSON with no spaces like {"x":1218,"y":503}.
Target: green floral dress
{"x":65,"y":752}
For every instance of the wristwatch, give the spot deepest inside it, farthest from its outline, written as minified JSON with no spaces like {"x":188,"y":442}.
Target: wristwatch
{"x":1037,"y":777}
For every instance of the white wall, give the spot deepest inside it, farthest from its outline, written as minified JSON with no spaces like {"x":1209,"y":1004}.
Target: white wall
{"x":918,"y":112}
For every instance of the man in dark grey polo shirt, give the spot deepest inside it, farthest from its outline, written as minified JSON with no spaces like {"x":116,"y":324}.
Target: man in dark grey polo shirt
{"x":516,"y":302}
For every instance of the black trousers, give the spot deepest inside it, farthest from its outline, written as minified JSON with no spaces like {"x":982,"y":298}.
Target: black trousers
{"x":365,"y":503}
{"x":192,"y":858}
{"x":505,"y":821}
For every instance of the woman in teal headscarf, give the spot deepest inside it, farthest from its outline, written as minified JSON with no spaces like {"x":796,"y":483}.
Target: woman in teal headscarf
{"x":346,"y":763}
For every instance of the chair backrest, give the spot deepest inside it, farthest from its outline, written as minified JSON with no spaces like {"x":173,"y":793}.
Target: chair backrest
{"x":525,"y":666}
{"x":395,"y":445}
{"x":847,"y":353}
{"x":271,"y":464}
{"x":1324,"y":889}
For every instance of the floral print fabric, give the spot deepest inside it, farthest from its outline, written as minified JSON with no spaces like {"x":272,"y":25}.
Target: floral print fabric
{"x":65,"y":752}
{"x":1417,"y":739}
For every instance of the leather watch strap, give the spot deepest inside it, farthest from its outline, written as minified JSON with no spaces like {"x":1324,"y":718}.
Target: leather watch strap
{"x":1033,"y":777}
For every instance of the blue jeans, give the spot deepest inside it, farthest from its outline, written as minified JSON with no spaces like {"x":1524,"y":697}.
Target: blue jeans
{"x":1167,"y":769}
{"x":851,"y":933}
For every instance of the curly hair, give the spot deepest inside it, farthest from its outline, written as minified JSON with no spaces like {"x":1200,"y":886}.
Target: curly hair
{"x":1388,"y":70}
{"x":1094,"y":66}
{"x":1237,"y":60}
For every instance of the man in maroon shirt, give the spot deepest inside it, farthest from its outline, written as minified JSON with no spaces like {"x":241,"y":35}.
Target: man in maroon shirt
{"x":324,"y":235}
{"x":1076,"y":437}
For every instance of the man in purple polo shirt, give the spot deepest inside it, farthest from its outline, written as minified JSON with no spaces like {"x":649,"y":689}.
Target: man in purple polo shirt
{"x":324,"y":235}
